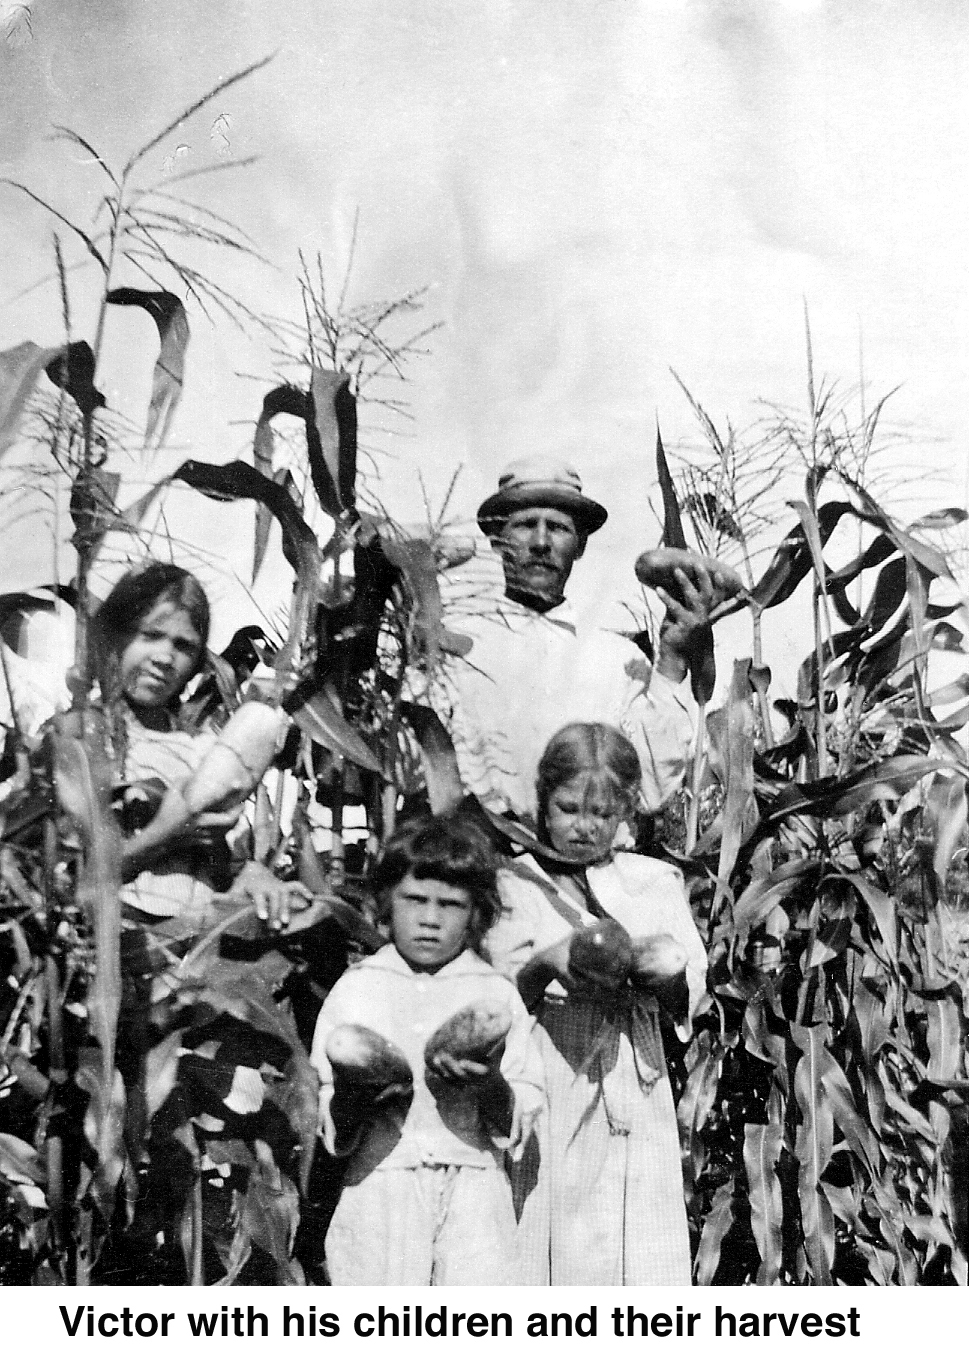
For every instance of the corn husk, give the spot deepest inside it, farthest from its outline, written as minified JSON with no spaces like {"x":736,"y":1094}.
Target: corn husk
{"x":239,"y":758}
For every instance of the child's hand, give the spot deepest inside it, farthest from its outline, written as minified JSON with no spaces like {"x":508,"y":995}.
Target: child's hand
{"x":460,"y":1070}
{"x":275,"y":900}
{"x":492,"y":1092}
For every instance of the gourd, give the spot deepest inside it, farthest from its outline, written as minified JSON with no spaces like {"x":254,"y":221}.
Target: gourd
{"x":474,"y":1033}
{"x":363,"y":1059}
{"x":602,"y":955}
{"x":658,"y":568}
{"x":657,"y":958}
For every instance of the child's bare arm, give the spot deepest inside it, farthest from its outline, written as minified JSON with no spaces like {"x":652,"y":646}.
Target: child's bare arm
{"x":552,"y":963}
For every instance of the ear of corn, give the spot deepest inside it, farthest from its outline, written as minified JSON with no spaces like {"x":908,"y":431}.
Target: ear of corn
{"x":240,"y":757}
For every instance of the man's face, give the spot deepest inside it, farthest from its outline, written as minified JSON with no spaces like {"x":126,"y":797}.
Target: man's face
{"x":538,"y":548}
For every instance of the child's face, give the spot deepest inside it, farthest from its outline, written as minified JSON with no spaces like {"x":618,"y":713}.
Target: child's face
{"x":429,"y":921}
{"x":582,"y":818}
{"x":160,"y":658}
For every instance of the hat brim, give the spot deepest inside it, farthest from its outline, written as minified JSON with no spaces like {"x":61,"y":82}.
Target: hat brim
{"x":589,"y":516}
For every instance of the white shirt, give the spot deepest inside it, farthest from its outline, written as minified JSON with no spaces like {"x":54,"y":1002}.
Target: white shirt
{"x":405,"y":1006}
{"x":529,"y":674}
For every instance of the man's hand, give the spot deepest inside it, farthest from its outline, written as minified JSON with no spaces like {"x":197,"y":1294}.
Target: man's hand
{"x":690,"y":587}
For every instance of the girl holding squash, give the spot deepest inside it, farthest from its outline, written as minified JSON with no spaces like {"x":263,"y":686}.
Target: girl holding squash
{"x":599,"y":943}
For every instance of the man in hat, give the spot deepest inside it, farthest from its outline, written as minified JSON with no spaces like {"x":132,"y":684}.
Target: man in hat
{"x":534,"y":667}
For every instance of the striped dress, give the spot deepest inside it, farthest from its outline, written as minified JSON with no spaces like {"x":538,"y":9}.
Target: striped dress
{"x":599,"y":1193}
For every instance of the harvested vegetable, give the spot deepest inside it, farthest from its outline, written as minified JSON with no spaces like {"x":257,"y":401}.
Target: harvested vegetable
{"x":602,"y":955}
{"x":363,"y":1059}
{"x":657,"y":569}
{"x":658,"y":958}
{"x":474,"y":1033}
{"x":240,"y":756}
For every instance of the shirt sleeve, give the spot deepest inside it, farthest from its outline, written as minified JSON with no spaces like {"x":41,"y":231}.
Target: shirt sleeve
{"x":336,"y":1011}
{"x":658,"y":718}
{"x":521,"y":1065}
{"x":683,"y":928}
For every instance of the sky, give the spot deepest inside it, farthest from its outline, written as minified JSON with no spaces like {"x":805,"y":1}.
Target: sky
{"x":593,"y":193}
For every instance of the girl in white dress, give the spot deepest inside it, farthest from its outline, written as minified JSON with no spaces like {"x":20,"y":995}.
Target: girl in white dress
{"x":600,"y":1191}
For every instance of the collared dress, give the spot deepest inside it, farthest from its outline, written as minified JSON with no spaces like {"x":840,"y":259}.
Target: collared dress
{"x":426,"y":1198}
{"x":599,"y":1190}
{"x":528,"y":674}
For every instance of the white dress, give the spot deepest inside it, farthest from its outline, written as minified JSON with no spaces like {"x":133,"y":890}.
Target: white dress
{"x":600,"y":1190}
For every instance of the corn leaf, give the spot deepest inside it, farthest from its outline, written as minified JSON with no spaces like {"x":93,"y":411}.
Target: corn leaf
{"x":438,"y":758}
{"x":320,"y":720}
{"x":946,"y":810}
{"x":673,"y":535}
{"x":765,"y":893}
{"x":415,"y":559}
{"x":239,"y":480}
{"x":702,"y":660}
{"x":834,"y":797}
{"x":871,"y":511}
{"x":285,"y":399}
{"x":813,"y":1147}
{"x":880,"y":905}
{"x":331,"y":435}
{"x":718,"y":1223}
{"x":792,"y":561}
{"x":762,"y":1149}
{"x":72,"y":369}
{"x":270,"y":1212}
{"x":879,"y":549}
{"x":171,"y":321}
{"x":98,"y":888}
{"x":20,"y":368}
{"x":940,"y":518}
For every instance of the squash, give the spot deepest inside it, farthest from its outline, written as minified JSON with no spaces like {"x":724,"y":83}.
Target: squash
{"x":602,"y":955}
{"x":363,"y":1059}
{"x":657,"y":569}
{"x":474,"y":1033}
{"x":657,"y":958}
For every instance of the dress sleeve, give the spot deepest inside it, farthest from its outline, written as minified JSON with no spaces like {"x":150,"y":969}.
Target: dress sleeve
{"x":527,"y":925}
{"x":658,"y":720}
{"x":683,"y":928}
{"x":521,"y":1065}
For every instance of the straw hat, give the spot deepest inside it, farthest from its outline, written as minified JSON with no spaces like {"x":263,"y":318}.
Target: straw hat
{"x":540,"y":483}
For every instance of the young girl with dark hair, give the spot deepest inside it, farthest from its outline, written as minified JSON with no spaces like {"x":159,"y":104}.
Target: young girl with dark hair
{"x":599,"y":1189}
{"x":150,"y":637}
{"x":422,"y":1113}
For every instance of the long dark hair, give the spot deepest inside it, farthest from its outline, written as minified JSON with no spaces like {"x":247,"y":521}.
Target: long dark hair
{"x":451,"y":850}
{"x":133,"y":597}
